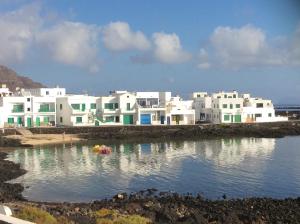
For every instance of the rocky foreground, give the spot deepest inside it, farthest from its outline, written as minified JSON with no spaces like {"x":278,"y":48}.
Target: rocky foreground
{"x":157,"y":206}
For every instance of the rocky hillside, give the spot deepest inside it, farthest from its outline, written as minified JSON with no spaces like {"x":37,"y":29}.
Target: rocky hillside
{"x":13,"y":80}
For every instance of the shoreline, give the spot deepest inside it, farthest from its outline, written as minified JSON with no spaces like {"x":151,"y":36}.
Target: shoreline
{"x":60,"y":135}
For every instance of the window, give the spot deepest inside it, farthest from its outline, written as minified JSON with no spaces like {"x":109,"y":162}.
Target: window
{"x":116,"y":105}
{"x":270,"y":114}
{"x":117,"y":119}
{"x":75,"y":106}
{"x":237,"y":106}
{"x":28,"y":99}
{"x":257,"y":115}
{"x":60,"y":106}
{"x":128,"y":106}
{"x":28,"y":108}
{"x":109,"y":106}
{"x":93,"y":106}
{"x":78,"y":119}
{"x":110,"y":119}
{"x":225,"y":96}
{"x":231,"y":106}
{"x":259,"y":105}
{"x":18,"y":108}
{"x":10,"y":120}
{"x":226,"y":117}
{"x":234,"y":96}
{"x":224,"y":105}
{"x":61,"y":119}
{"x":47,"y":92}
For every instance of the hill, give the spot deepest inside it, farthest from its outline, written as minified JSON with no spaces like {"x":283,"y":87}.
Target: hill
{"x":14,"y":80}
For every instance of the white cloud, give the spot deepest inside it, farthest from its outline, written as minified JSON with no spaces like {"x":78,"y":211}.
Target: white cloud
{"x":118,"y":36}
{"x":168,"y":49}
{"x":72,"y":43}
{"x":248,"y":46}
{"x":17,"y":33}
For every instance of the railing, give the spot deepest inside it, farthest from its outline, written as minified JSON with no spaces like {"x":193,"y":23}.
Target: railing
{"x":47,"y":110}
{"x":17,"y":110}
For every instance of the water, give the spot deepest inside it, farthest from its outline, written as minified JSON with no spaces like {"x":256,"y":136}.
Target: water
{"x":237,"y":167}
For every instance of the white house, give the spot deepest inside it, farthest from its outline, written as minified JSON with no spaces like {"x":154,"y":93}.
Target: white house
{"x":76,"y":110}
{"x":116,"y":109}
{"x":180,"y":111}
{"x":151,"y":107}
{"x":29,"y":108}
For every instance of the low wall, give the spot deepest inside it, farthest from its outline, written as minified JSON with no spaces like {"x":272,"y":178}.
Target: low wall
{"x":277,"y":129}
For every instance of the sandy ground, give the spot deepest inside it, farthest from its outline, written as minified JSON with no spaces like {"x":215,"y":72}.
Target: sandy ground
{"x":45,"y":139}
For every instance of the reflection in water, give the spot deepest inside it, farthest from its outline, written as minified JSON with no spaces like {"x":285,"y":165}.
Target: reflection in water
{"x":76,"y":173}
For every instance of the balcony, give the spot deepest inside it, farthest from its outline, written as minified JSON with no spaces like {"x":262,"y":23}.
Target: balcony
{"x":19,"y":108}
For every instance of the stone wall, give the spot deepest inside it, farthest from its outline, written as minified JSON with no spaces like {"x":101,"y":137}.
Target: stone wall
{"x":278,"y":129}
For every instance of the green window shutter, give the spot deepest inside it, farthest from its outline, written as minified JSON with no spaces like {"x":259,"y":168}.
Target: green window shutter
{"x":226,"y":117}
{"x":224,"y":105}
{"x":231,"y":106}
{"x":83,"y":107}
{"x":238,"y":106}
{"x":93,"y":106}
{"x":128,"y":106}
{"x":116,"y":105}
{"x":78,"y":119}
{"x":10,"y":120}
{"x":75,"y":106}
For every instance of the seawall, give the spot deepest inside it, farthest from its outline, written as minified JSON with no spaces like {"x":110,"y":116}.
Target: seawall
{"x":279,"y":129}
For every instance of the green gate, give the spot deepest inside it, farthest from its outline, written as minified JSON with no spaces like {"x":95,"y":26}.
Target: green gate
{"x":237,"y":118}
{"x":37,"y":122}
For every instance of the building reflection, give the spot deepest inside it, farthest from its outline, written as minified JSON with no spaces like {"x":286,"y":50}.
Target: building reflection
{"x":136,"y":159}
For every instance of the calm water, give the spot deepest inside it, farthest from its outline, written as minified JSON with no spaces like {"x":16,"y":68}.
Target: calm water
{"x":238,"y":167}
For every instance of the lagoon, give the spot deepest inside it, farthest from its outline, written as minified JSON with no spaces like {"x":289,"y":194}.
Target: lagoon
{"x":237,"y":167}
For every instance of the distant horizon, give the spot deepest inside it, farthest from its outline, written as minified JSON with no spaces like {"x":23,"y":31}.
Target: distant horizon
{"x":250,"y":46}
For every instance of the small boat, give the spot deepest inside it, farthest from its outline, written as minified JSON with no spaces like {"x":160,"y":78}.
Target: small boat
{"x":102,"y":149}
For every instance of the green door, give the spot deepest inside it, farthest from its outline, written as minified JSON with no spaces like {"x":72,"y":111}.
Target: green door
{"x":237,"y":118}
{"x":38,"y":121}
{"x":19,"y":120}
{"x":128,"y":119}
{"x":29,"y":122}
{"x":83,"y":107}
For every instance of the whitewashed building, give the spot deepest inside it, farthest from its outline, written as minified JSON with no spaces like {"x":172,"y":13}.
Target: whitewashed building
{"x":29,"y":108}
{"x":180,"y":112}
{"x":151,"y":107}
{"x":116,"y":109}
{"x":76,"y":110}
{"x":230,"y":107}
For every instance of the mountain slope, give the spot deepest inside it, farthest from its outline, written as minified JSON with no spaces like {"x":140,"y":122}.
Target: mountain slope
{"x":13,"y":80}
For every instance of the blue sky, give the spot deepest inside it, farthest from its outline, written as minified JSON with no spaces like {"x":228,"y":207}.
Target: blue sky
{"x":180,"y":46}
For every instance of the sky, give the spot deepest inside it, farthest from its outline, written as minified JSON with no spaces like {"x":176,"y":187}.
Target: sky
{"x":252,"y":46}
